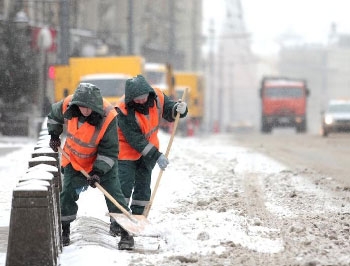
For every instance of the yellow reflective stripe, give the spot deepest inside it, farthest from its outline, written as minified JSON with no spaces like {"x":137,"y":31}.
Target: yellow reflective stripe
{"x":140,"y":202}
{"x":78,"y":154}
{"x":106,"y":159}
{"x":148,"y":135}
{"x":81,"y":143}
{"x":97,"y":131}
{"x":146,"y":150}
{"x":95,"y":135}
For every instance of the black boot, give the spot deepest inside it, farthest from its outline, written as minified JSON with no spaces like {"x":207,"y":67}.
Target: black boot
{"x":126,"y":240}
{"x":65,"y":234}
{"x":114,"y":229}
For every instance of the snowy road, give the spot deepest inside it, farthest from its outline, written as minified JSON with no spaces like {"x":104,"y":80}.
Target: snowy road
{"x":218,"y":204}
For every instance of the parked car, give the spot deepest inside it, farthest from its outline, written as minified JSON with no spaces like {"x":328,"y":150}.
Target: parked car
{"x":336,"y":117}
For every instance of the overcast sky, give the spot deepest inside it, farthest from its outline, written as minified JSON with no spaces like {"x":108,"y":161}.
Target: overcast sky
{"x":267,"y":20}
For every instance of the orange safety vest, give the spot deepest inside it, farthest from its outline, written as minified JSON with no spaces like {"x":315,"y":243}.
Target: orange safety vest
{"x":149,"y":125}
{"x":81,"y":143}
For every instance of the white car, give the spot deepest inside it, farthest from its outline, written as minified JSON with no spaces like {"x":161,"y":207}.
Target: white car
{"x":336,"y":118}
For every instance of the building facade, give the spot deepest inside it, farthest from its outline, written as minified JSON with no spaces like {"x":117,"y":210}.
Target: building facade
{"x":163,"y":31}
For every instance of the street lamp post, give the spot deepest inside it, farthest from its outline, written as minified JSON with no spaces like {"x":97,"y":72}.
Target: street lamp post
{"x":19,"y":46}
{"x":44,"y":43}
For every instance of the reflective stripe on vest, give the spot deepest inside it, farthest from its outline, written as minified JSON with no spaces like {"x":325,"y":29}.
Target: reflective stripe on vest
{"x":149,"y":125}
{"x":81,"y":143}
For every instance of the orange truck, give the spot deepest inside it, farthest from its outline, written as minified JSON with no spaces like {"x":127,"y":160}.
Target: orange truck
{"x":283,"y":103}
{"x":107,"y":73}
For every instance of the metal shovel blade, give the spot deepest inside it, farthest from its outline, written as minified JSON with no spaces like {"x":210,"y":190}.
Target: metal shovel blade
{"x":137,"y":225}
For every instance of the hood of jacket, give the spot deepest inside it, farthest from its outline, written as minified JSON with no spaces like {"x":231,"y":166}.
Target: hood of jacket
{"x":86,"y":95}
{"x":135,"y":87}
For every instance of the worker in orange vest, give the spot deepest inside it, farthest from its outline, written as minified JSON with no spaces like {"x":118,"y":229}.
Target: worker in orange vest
{"x":139,"y":114}
{"x":93,"y":146}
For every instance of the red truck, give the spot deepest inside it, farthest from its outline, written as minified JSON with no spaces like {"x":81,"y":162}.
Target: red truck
{"x":283,"y":103}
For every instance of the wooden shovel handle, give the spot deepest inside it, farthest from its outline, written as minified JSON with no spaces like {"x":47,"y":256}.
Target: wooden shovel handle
{"x":149,"y":205}
{"x":109,"y":196}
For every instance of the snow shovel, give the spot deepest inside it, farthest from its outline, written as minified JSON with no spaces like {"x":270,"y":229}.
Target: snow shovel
{"x":134,"y":224}
{"x":177,"y":118}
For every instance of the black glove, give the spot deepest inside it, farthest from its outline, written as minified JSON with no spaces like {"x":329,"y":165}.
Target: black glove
{"x":92,"y":179}
{"x":55,"y":142}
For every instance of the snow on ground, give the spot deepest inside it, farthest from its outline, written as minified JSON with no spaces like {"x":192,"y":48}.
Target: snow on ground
{"x":194,"y":211}
{"x":12,"y":165}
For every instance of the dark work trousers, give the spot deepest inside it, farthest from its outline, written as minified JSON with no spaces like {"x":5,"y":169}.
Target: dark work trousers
{"x":135,"y":181}
{"x":73,"y":183}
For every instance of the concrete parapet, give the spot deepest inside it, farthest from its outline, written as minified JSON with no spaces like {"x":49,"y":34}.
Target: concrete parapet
{"x":30,"y":239}
{"x":35,"y":223}
{"x":45,"y":151}
{"x":40,"y":175}
{"x":43,"y":159}
{"x":51,"y":169}
{"x":42,"y":144}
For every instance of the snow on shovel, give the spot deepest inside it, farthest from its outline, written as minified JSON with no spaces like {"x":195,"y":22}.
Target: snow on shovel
{"x":137,"y":225}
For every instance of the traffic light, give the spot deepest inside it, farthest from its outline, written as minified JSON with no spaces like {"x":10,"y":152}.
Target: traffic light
{"x":51,"y":72}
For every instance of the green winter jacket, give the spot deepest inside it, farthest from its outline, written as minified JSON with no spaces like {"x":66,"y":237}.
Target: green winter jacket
{"x":88,"y":95}
{"x":135,"y":87}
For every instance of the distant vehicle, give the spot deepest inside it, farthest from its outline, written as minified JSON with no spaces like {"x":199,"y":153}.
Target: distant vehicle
{"x":156,"y":75}
{"x":112,"y":86}
{"x":67,"y":77}
{"x":194,"y":82}
{"x":283,"y":103}
{"x":336,"y":118}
